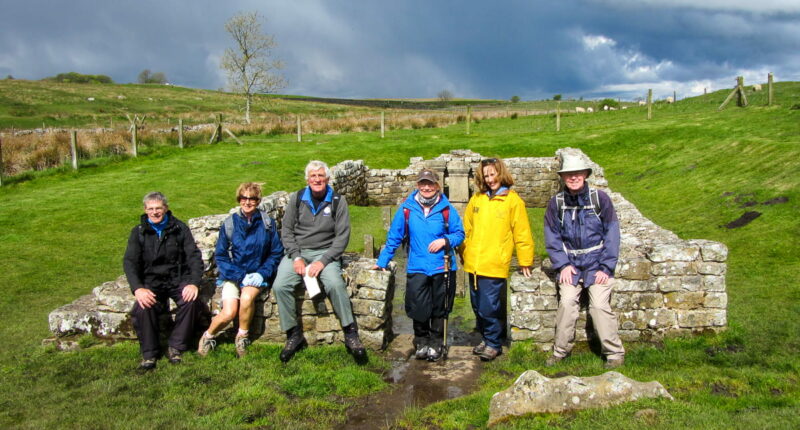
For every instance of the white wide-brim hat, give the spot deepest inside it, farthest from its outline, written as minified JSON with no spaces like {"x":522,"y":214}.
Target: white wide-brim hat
{"x":573,"y":163}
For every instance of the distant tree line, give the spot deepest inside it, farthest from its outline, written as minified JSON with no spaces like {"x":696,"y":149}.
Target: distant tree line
{"x":148,"y":77}
{"x":78,"y":78}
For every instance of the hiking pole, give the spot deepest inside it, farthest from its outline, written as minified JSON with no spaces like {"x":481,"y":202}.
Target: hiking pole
{"x":445,"y":347}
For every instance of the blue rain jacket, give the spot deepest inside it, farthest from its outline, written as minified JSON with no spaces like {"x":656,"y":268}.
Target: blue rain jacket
{"x":254,"y":249}
{"x":422,"y":231}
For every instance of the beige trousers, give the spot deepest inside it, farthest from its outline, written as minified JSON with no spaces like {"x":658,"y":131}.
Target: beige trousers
{"x":603,"y":319}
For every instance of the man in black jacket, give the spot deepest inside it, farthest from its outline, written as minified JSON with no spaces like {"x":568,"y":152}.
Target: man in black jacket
{"x":162,"y":262}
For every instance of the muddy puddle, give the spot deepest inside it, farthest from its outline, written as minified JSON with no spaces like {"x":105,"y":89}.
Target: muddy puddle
{"x":416,"y":383}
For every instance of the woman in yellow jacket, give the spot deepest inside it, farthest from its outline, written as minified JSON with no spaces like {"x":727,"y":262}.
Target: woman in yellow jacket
{"x":495,"y":222}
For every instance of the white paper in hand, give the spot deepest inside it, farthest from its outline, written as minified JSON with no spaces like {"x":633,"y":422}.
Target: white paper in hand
{"x":312,"y":284}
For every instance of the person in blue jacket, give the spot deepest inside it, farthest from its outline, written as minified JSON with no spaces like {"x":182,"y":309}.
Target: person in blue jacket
{"x":581,"y":232}
{"x":247,"y":255}
{"x":432,"y":227}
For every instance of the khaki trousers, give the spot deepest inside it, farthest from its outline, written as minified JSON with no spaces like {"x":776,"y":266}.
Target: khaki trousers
{"x":603,"y":319}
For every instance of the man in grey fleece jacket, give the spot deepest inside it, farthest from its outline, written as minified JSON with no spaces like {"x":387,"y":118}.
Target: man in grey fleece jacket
{"x":315,"y":233}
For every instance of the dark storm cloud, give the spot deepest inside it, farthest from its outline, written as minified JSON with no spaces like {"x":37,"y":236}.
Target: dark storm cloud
{"x":418,"y":48}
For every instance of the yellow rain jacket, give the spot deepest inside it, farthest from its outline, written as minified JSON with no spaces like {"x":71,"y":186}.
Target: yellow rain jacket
{"x":493,"y":227}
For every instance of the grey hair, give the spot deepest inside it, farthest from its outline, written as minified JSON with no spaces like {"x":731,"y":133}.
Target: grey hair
{"x":154,"y":196}
{"x":316,"y":165}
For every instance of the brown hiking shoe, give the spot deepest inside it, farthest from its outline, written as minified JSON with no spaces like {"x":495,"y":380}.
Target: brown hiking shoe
{"x":479,"y":348}
{"x":205,"y":345}
{"x":613,"y":363}
{"x":173,"y":355}
{"x":490,"y":353}
{"x":241,"y":343}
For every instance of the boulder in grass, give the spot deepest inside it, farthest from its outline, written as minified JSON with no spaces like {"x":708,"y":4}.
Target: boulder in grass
{"x":533,"y":393}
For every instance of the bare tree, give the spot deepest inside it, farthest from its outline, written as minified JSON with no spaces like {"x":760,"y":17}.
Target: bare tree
{"x":250,"y":66}
{"x":147,"y":77}
{"x":445,"y":96}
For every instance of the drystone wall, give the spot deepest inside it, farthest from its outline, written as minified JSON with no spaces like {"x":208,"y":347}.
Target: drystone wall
{"x":664,"y":286}
{"x":105,"y":312}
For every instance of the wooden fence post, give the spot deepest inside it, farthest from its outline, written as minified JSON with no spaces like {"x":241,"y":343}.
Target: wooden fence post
{"x":769,"y":89}
{"x":180,"y":133}
{"x":558,"y":116}
{"x":742,"y":99}
{"x":2,"y":167}
{"x":383,"y":124}
{"x":299,"y":130}
{"x":674,"y":96}
{"x":133,"y":140}
{"x":73,"y":148}
{"x":650,"y":104}
{"x":469,"y":117}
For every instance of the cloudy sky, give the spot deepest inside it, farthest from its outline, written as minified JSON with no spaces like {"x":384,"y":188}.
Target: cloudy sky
{"x":417,"y":48}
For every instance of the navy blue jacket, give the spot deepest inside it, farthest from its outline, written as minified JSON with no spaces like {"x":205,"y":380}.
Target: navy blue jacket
{"x":254,"y":249}
{"x":582,"y":229}
{"x":422,"y":231}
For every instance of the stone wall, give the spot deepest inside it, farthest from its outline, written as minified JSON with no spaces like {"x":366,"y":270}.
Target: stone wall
{"x":105,"y":312}
{"x":664,"y":285}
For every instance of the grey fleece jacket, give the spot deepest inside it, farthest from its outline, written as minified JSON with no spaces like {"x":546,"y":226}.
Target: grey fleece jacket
{"x":302,"y":229}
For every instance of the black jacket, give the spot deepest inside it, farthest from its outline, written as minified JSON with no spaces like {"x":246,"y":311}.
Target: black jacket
{"x":170,"y":261}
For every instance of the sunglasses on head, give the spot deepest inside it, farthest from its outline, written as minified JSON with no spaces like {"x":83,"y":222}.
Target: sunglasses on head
{"x":488,"y":161}
{"x":252,"y":199}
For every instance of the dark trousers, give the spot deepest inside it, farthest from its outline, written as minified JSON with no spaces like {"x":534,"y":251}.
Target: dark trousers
{"x":425,"y":304}
{"x":146,"y":322}
{"x":489,"y":306}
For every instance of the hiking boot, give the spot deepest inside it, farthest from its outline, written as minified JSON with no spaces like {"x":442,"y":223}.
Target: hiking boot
{"x":241,"y":343}
{"x":436,"y":353}
{"x":146,"y":365}
{"x":479,"y":348}
{"x":489,"y":353}
{"x":294,"y":342}
{"x":553,"y":360}
{"x":206,"y":345}
{"x":422,"y":352}
{"x":173,"y":355}
{"x":353,"y":343}
{"x":613,"y":363}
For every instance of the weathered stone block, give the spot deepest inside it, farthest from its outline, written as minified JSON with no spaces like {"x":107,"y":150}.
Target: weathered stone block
{"x":636,"y":269}
{"x":327,"y":323}
{"x":533,"y":320}
{"x":706,"y":268}
{"x":713,"y":283}
{"x":684,"y":299}
{"x":374,"y":340}
{"x":369,"y":307}
{"x":716,"y":300}
{"x":673,"y":252}
{"x":114,"y":298}
{"x":368,"y":322}
{"x":527,"y":302}
{"x":371,"y":294}
{"x":658,"y":319}
{"x":625,"y":285}
{"x":711,"y":251}
{"x":702,"y":318}
{"x":673,"y":268}
{"x":630,"y":335}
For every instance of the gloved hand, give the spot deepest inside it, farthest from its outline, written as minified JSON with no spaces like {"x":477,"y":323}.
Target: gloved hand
{"x":253,"y":280}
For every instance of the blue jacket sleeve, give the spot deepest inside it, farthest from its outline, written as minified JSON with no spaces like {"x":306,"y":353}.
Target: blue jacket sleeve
{"x":455,"y":235}
{"x":552,"y":237}
{"x":394,"y":238}
{"x":608,"y":215}
{"x":274,"y":253}
{"x":228,"y":271}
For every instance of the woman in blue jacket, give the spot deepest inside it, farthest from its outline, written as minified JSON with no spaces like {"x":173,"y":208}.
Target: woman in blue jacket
{"x":247,"y":254}
{"x":432,"y":227}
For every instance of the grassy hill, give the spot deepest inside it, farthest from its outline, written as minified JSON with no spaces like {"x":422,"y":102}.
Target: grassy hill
{"x":691,"y":169}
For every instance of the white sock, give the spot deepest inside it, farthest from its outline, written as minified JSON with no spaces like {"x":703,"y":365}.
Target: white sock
{"x":209,"y":336}
{"x":243,"y":332}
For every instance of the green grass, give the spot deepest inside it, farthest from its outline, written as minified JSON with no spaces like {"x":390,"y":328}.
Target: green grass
{"x":64,"y":233}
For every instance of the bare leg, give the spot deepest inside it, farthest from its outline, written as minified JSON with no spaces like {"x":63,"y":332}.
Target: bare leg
{"x":230,"y":307}
{"x":247,"y":309}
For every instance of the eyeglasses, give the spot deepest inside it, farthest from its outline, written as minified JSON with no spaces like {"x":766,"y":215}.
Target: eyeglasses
{"x":488,"y":161}
{"x":252,"y":199}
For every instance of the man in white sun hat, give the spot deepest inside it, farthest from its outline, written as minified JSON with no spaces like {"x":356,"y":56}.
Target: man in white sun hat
{"x":581,"y":233}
